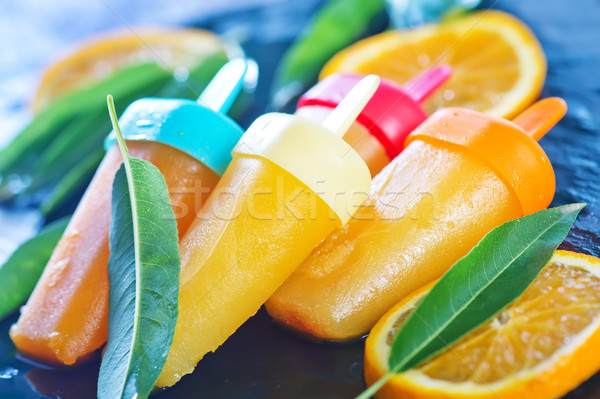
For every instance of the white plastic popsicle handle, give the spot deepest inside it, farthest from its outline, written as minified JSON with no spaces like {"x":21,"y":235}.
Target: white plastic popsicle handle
{"x":349,"y":108}
{"x":224,"y":86}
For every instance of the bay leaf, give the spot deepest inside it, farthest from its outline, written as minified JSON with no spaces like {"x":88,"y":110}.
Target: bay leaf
{"x":43,"y":151}
{"x":143,"y":272}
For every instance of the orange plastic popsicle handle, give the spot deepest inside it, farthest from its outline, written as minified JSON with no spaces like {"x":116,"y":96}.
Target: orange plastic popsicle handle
{"x":539,"y":118}
{"x":511,"y":152}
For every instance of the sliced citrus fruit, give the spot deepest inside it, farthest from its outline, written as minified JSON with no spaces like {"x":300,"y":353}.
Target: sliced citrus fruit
{"x":99,"y":57}
{"x":498,"y":64}
{"x":542,"y":346}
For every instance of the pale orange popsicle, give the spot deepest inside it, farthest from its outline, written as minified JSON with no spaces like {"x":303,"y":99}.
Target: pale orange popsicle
{"x":65,"y":318}
{"x":190,"y":142}
{"x":462,"y":174}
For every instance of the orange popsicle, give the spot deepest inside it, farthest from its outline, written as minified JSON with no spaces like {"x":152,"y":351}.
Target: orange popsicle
{"x":461,"y":174}
{"x":65,"y":318}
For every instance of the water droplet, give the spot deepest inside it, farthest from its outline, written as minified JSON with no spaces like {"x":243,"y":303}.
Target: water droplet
{"x":181,"y":74}
{"x":144,"y":123}
{"x":56,"y":272}
{"x":158,"y":117}
{"x":102,"y":69}
{"x":17,"y":184}
{"x":448,"y":95}
{"x":8,"y":373}
{"x":497,"y":98}
{"x":423,"y":60}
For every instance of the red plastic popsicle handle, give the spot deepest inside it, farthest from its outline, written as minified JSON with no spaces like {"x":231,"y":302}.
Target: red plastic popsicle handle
{"x":421,"y":86}
{"x":539,"y":118}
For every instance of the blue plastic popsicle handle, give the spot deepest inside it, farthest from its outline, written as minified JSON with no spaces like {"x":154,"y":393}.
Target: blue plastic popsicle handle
{"x":200,"y":128}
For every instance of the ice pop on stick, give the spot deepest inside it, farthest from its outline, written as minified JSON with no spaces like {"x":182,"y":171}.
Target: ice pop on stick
{"x":65,"y":318}
{"x":461,"y":174}
{"x":291,"y":182}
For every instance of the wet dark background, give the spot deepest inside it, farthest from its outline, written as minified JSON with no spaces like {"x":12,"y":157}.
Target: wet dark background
{"x":261,"y":360}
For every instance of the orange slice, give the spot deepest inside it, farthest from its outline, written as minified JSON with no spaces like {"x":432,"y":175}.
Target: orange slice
{"x":498,"y":64}
{"x":99,"y":57}
{"x":542,"y":346}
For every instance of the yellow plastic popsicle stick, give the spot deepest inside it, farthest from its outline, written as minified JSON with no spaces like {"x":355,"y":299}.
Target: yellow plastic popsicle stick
{"x":349,"y":108}
{"x":539,"y":118}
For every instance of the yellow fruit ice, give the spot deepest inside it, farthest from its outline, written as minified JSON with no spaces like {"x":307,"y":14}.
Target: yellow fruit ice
{"x":232,"y":262}
{"x":291,"y":182}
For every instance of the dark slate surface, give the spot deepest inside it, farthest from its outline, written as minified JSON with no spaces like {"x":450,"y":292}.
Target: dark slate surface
{"x":263,"y":361}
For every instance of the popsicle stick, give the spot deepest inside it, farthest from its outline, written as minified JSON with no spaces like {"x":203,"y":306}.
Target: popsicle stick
{"x":421,"y":86}
{"x":539,"y":118}
{"x":225,"y":86}
{"x":350,"y":107}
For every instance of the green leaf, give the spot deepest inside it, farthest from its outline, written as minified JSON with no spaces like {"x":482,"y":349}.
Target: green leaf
{"x":48,"y":123}
{"x":143,"y":271}
{"x":86,"y":130}
{"x":43,"y":150}
{"x":58,"y":158}
{"x":338,"y":24}
{"x":21,"y":272}
{"x":67,"y":170}
{"x":489,"y":278}
{"x":72,"y":185}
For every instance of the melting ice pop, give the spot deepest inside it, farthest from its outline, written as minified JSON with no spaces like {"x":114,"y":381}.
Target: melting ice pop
{"x":65,"y":318}
{"x":461,"y":174}
{"x":291,"y":182}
